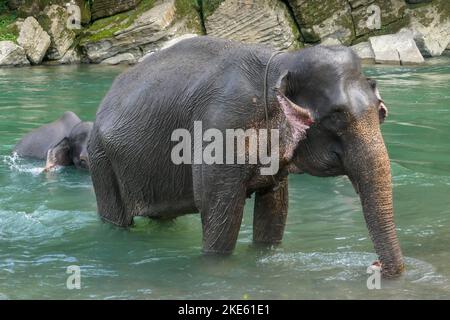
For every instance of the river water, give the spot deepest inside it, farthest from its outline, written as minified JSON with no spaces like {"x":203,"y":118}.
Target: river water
{"x":48,"y":221}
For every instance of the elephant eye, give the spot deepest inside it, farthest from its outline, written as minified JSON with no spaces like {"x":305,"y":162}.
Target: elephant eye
{"x":336,"y":120}
{"x":372,"y":83}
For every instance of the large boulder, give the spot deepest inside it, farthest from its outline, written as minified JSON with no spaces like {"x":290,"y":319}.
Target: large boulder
{"x":106,"y":8}
{"x":364,"y":52}
{"x":54,"y":18}
{"x":147,"y":33}
{"x":12,"y":55}
{"x":260,"y":21}
{"x":398,"y":48}
{"x":431,"y":28}
{"x":33,"y":39}
{"x":320,"y":20}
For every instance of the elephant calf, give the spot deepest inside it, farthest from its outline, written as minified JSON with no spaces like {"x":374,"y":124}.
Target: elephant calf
{"x":62,"y":142}
{"x":327,"y":113}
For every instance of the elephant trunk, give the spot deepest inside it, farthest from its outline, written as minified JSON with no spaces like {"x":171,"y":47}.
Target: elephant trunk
{"x":368,"y":167}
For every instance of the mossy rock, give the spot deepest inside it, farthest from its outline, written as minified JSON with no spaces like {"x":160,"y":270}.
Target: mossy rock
{"x":391,"y":28}
{"x":107,"y":8}
{"x":105,"y":28}
{"x":209,"y":6}
{"x":391,"y":12}
{"x":314,"y":12}
{"x":309,"y":36}
{"x":443,"y":7}
{"x":35,"y":7}
{"x":191,"y":11}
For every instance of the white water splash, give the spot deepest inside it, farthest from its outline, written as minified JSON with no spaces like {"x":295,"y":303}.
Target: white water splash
{"x":16,"y":163}
{"x":417,"y":271}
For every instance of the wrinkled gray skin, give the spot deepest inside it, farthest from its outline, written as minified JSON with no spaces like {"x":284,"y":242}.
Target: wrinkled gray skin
{"x":62,"y":142}
{"x":327,"y":112}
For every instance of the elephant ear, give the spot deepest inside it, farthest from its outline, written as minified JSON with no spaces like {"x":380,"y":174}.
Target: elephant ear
{"x":59,"y":155}
{"x":298,"y":118}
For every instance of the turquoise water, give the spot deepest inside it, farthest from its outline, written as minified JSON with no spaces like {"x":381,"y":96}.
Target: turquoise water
{"x":48,"y":221}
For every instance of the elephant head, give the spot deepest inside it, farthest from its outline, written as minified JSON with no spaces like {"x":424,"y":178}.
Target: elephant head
{"x":71,"y":149}
{"x":343,"y":135}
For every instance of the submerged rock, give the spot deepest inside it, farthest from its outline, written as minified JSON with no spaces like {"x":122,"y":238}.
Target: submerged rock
{"x":265,"y":21}
{"x":398,"y":48}
{"x":33,"y":39}
{"x":12,"y":55}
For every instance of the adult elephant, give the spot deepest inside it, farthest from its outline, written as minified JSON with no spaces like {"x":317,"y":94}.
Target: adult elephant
{"x":328,"y":115}
{"x":62,"y":142}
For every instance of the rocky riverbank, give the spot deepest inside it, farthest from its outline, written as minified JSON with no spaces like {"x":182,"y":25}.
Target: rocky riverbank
{"x":125,"y":31}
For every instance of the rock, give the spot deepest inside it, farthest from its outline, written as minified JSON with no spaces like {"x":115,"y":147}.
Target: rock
{"x":122,"y":58}
{"x":371,"y":16}
{"x":147,"y":33}
{"x":431,"y":29}
{"x":145,"y":56}
{"x":106,"y":8}
{"x":324,"y":19}
{"x":330,"y":42}
{"x":33,"y":39}
{"x":417,"y":1}
{"x":55,"y":18}
{"x":169,"y":43}
{"x":85,"y":11}
{"x":175,"y":40}
{"x":365,"y":52}
{"x":15,"y":4}
{"x":28,"y":9}
{"x":264,"y":21}
{"x":398,"y":48}
{"x":71,"y":56}
{"x":12,"y":55}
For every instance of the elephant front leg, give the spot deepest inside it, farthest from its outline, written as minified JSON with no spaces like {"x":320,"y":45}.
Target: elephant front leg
{"x":270,"y":213}
{"x":222,"y":205}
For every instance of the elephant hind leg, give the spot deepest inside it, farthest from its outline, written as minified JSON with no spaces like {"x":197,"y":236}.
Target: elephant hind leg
{"x":107,"y":187}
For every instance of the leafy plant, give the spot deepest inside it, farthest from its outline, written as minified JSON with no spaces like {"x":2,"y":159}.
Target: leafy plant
{"x":6,"y":19}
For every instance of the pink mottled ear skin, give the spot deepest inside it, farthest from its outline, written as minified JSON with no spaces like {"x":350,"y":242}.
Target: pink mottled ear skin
{"x":299,"y":120}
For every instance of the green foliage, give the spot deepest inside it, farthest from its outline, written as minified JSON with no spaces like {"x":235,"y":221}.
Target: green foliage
{"x":209,"y":6}
{"x":192,"y":11}
{"x":7,"y":32}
